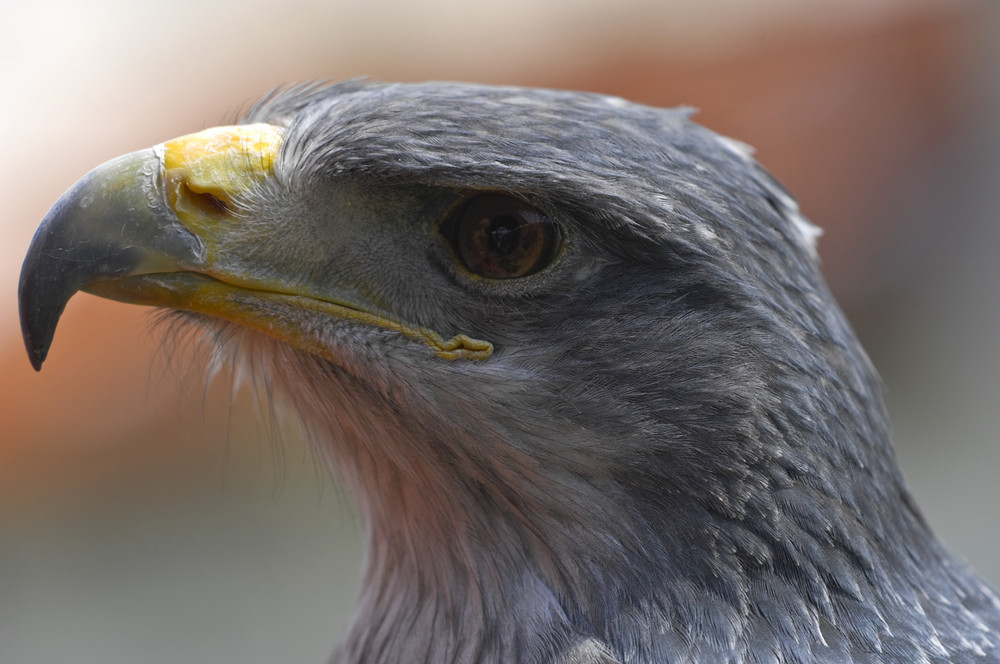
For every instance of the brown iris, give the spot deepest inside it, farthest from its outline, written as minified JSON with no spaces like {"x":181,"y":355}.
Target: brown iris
{"x":502,"y":237}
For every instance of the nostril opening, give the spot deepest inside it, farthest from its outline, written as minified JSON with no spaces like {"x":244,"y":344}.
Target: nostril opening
{"x":207,"y":202}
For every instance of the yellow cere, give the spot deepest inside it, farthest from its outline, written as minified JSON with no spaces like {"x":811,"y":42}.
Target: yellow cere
{"x":203,"y":171}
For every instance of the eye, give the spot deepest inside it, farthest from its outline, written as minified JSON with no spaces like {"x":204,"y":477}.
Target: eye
{"x":501,"y":237}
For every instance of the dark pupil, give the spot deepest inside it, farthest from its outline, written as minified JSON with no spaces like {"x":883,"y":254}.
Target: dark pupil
{"x":504,"y":235}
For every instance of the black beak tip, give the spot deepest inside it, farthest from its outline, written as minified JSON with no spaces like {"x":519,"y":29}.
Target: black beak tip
{"x":44,"y":288}
{"x":38,"y":349}
{"x":38,"y":324}
{"x":37,"y":356}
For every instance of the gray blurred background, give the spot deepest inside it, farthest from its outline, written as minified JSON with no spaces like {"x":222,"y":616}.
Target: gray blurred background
{"x":147,"y":517}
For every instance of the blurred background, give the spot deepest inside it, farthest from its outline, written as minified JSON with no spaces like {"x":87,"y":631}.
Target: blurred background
{"x":146,"y":517}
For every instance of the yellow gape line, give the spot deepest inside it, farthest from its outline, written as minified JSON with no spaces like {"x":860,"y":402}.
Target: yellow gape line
{"x":461,"y":347}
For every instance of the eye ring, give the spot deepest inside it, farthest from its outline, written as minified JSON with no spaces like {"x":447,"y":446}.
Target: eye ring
{"x":502,"y":237}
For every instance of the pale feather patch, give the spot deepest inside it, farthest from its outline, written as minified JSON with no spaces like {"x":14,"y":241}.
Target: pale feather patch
{"x":738,"y":148}
{"x":617,"y":102}
{"x":705,"y":232}
{"x":808,"y":231}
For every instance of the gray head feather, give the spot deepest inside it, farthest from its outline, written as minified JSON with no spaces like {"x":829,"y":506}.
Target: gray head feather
{"x":678,"y":451}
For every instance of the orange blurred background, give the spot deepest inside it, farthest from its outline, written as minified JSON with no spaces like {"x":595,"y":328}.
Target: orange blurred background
{"x":145,"y":517}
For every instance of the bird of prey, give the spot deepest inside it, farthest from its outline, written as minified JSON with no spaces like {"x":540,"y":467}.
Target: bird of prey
{"x":574,"y":357}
